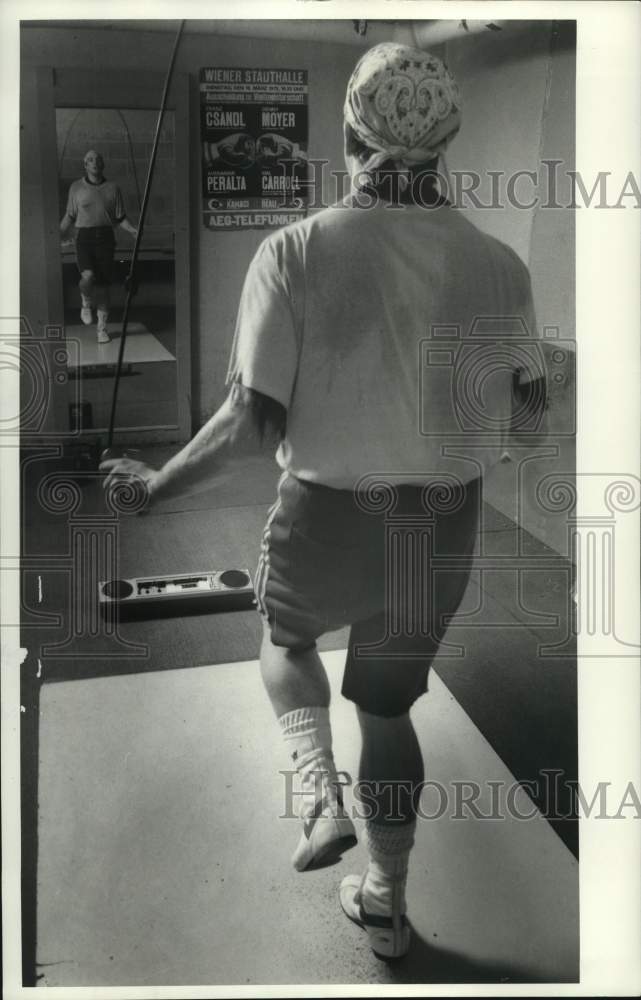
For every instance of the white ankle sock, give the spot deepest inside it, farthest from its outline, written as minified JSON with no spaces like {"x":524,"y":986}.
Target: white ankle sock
{"x":308,"y":737}
{"x":307,"y":734}
{"x":383,"y":888}
{"x":86,"y":301}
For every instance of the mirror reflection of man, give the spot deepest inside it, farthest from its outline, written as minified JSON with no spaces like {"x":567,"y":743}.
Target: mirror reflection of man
{"x":95,"y":207}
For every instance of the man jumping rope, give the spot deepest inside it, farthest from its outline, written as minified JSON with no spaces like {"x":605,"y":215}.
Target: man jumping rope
{"x":95,"y":206}
{"x":325,"y":364}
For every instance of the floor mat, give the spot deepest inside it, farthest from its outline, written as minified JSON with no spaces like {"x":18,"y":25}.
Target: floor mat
{"x":141,"y":346}
{"x":162,"y":859}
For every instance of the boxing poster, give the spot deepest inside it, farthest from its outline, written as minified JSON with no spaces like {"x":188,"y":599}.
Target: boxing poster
{"x":254,"y":128}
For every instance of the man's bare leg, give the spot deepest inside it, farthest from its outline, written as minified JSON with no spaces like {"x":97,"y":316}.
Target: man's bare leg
{"x":102,"y":310}
{"x":391,"y":758}
{"x":87,"y":287}
{"x":293,"y":678}
{"x":297,"y":685}
{"x":391,"y":769}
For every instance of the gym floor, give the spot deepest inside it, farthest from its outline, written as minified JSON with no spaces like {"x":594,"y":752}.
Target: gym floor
{"x":159,"y":856}
{"x":147,"y":396}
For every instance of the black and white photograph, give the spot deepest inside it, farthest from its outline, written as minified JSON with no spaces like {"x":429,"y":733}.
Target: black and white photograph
{"x":319,"y":439}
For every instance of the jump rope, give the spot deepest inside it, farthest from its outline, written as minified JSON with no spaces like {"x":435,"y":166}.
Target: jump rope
{"x":130,"y":281}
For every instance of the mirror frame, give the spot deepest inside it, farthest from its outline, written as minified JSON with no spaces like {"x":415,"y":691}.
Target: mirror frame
{"x":138,"y":90}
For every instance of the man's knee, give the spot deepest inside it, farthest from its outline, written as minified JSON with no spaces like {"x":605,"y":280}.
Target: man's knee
{"x":87,"y":280}
{"x":289,"y":647}
{"x":286,"y":641}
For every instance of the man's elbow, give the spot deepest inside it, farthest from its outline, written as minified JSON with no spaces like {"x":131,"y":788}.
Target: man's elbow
{"x":257,"y":421}
{"x":260,"y":416}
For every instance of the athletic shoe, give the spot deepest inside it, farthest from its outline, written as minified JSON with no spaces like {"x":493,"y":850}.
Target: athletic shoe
{"x":86,"y":315}
{"x":327,"y":829}
{"x":103,"y":336}
{"x":389,"y":936}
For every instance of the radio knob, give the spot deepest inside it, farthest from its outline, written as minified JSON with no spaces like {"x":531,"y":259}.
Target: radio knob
{"x":234,"y":578}
{"x":118,"y":589}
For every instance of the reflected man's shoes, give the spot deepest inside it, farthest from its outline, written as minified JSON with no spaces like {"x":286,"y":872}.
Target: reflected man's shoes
{"x":103,"y":336}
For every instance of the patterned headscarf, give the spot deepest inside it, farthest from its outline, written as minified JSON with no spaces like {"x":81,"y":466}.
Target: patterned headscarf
{"x":402,"y":103}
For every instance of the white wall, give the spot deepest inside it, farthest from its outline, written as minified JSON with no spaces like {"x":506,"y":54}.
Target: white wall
{"x":518,"y":93}
{"x":518,"y":109}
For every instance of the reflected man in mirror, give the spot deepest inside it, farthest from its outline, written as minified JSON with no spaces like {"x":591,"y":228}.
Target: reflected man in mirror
{"x":95,"y":207}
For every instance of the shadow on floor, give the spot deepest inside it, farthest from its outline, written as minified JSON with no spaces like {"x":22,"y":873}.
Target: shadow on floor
{"x":427,"y":963}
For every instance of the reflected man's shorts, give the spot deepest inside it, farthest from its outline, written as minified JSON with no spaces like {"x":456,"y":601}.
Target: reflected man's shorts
{"x":331,"y":558}
{"x":95,"y":246}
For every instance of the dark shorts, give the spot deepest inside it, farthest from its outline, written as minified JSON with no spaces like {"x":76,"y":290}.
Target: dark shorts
{"x":95,"y":252}
{"x":331,"y":558}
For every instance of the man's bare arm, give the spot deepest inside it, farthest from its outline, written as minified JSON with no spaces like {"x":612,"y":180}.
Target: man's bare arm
{"x":65,"y":224}
{"x":127,"y":226}
{"x":246,"y":423}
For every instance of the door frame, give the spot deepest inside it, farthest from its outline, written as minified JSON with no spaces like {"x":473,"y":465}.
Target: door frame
{"x":139,"y":90}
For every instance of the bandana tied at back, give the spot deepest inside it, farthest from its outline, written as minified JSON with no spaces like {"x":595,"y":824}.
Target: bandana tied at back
{"x":403,"y":104}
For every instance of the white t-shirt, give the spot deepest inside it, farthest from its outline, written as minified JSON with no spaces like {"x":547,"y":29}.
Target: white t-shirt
{"x":90,"y":205}
{"x":370,"y":325}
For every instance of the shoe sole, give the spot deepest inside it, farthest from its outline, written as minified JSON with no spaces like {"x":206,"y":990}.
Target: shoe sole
{"x":379,"y":956}
{"x":332,"y":852}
